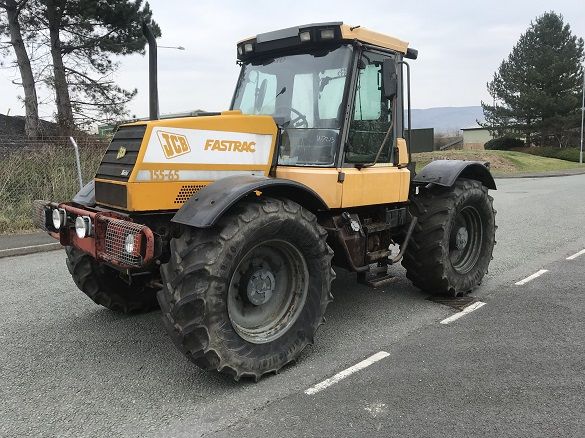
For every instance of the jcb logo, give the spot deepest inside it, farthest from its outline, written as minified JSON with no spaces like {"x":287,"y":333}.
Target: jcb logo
{"x":173,"y":144}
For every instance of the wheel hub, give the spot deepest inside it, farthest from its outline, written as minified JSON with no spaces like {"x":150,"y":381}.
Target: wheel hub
{"x":267,"y":291}
{"x":461,"y":238}
{"x":260,"y":287}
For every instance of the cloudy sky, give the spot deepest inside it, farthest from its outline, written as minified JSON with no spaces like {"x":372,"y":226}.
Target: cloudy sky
{"x":460,"y":44}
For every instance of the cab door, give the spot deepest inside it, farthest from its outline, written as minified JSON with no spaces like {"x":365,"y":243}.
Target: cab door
{"x":373,"y":116}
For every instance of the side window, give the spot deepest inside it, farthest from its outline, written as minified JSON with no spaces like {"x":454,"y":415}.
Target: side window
{"x":372,"y":115}
{"x":254,"y":99}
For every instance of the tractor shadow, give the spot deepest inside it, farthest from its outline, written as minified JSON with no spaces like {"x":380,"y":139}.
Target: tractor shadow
{"x":136,"y":350}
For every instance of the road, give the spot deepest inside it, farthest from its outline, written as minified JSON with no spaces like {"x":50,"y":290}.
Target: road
{"x":511,"y":368}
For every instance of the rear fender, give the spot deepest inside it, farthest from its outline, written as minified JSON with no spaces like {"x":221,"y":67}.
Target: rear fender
{"x":445,"y":173}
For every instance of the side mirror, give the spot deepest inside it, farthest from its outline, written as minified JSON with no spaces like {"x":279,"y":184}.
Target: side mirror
{"x":389,"y":78}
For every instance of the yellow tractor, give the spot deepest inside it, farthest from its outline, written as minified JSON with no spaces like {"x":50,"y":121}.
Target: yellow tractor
{"x":231,"y":222}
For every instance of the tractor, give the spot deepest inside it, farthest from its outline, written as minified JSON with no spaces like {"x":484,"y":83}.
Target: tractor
{"x":232,"y":221}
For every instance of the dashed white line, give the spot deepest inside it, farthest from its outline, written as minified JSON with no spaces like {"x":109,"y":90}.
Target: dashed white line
{"x":531,"y":277}
{"x":347,"y":372}
{"x":464,"y":312}
{"x":574,"y":256}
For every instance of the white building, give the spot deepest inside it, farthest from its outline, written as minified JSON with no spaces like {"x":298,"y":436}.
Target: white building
{"x":475,"y":137}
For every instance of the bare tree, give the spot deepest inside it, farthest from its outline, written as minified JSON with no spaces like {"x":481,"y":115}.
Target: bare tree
{"x":13,"y":10}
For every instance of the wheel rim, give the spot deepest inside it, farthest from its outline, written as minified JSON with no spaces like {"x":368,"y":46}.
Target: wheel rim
{"x":466,"y":239}
{"x":267,"y":291}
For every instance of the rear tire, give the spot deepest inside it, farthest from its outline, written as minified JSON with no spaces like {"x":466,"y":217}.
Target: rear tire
{"x":452,"y":244}
{"x":247,"y":296}
{"x":105,"y":287}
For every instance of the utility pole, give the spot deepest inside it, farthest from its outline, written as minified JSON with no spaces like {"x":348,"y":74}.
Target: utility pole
{"x":582,"y":118}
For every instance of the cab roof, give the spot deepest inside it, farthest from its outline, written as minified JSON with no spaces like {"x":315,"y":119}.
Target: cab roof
{"x":316,"y":33}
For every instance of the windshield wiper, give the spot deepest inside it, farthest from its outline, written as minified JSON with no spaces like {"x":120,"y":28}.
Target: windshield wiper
{"x":324,"y":81}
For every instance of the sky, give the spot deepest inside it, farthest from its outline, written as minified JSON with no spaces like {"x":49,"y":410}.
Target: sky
{"x":460,"y":44}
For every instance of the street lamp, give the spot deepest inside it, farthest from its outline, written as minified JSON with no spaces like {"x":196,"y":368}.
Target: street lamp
{"x":171,"y":47}
{"x":582,"y":118}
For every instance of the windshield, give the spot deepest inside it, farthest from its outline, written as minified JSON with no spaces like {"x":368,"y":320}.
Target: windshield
{"x":304,"y":94}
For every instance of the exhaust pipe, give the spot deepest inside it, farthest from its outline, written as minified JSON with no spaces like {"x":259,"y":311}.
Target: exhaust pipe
{"x":152,"y":72}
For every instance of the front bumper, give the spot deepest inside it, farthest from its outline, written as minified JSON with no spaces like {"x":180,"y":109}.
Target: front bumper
{"x":107,"y":240}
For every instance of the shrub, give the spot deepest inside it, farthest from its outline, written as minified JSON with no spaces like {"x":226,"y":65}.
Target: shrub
{"x":504,"y":144}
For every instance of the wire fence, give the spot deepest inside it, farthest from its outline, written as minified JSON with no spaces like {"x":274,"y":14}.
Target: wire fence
{"x":41,"y":169}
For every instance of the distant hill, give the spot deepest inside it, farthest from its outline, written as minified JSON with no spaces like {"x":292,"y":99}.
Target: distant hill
{"x":445,"y":119}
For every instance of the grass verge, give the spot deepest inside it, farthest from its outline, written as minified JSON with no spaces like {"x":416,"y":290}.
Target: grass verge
{"x":503,"y":163}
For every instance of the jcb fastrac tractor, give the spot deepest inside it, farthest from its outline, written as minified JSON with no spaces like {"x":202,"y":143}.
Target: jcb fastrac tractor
{"x":232,"y":221}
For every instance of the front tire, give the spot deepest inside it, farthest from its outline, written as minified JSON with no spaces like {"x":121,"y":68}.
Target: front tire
{"x":105,"y":287}
{"x":247,"y":296}
{"x":452,"y":244}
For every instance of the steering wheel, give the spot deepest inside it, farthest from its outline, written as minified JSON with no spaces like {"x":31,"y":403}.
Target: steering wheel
{"x":300,"y":121}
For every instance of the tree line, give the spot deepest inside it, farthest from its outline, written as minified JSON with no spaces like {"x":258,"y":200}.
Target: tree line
{"x":67,"y":46}
{"x":537,"y":90}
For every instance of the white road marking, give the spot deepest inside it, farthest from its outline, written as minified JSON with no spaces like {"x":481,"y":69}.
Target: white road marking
{"x":464,"y":312}
{"x":574,"y":256}
{"x":377,"y":409}
{"x":347,"y":372}
{"x":531,"y":277}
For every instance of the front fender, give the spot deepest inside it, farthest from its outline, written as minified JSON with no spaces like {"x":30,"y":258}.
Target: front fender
{"x":205,"y":208}
{"x":86,"y":196}
{"x":445,"y":173}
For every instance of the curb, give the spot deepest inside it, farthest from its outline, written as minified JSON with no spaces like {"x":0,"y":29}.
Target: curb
{"x":25,"y":250}
{"x":539,"y":175}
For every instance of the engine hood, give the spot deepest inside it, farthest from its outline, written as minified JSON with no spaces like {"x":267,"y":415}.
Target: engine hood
{"x":158,"y":164}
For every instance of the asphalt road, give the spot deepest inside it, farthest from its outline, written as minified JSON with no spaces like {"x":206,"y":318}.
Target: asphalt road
{"x":513,"y":367}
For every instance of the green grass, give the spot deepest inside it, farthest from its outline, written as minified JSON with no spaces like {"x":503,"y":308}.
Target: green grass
{"x":502,"y":162}
{"x":567,"y":154}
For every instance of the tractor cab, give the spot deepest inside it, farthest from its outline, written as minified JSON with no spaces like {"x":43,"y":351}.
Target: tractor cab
{"x":336,"y":95}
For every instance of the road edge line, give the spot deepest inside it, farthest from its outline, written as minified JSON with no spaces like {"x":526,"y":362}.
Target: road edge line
{"x":577,"y":254}
{"x":464,"y":312}
{"x":531,"y":277}
{"x":347,"y":372}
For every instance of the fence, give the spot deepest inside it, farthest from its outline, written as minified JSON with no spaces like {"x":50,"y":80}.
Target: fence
{"x":41,"y":169}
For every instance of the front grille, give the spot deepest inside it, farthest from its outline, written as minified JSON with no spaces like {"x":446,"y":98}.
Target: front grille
{"x":186,"y":192}
{"x":116,"y":233}
{"x":40,"y":214}
{"x":111,"y":194}
{"x":119,"y":169}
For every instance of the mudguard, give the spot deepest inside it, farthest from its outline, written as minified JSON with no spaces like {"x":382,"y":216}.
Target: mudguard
{"x":445,"y":173}
{"x":86,"y":196}
{"x":204,"y":208}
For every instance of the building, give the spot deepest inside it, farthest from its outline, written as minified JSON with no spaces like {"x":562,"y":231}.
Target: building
{"x":475,"y":137}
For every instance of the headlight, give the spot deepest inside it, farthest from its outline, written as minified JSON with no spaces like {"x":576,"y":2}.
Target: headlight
{"x":248,"y":47}
{"x":305,"y":36}
{"x":59,"y":216}
{"x":83,"y":226}
{"x":327,"y":34}
{"x":129,"y":243}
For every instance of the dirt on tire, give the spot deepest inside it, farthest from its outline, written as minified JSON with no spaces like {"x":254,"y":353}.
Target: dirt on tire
{"x":105,"y":287}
